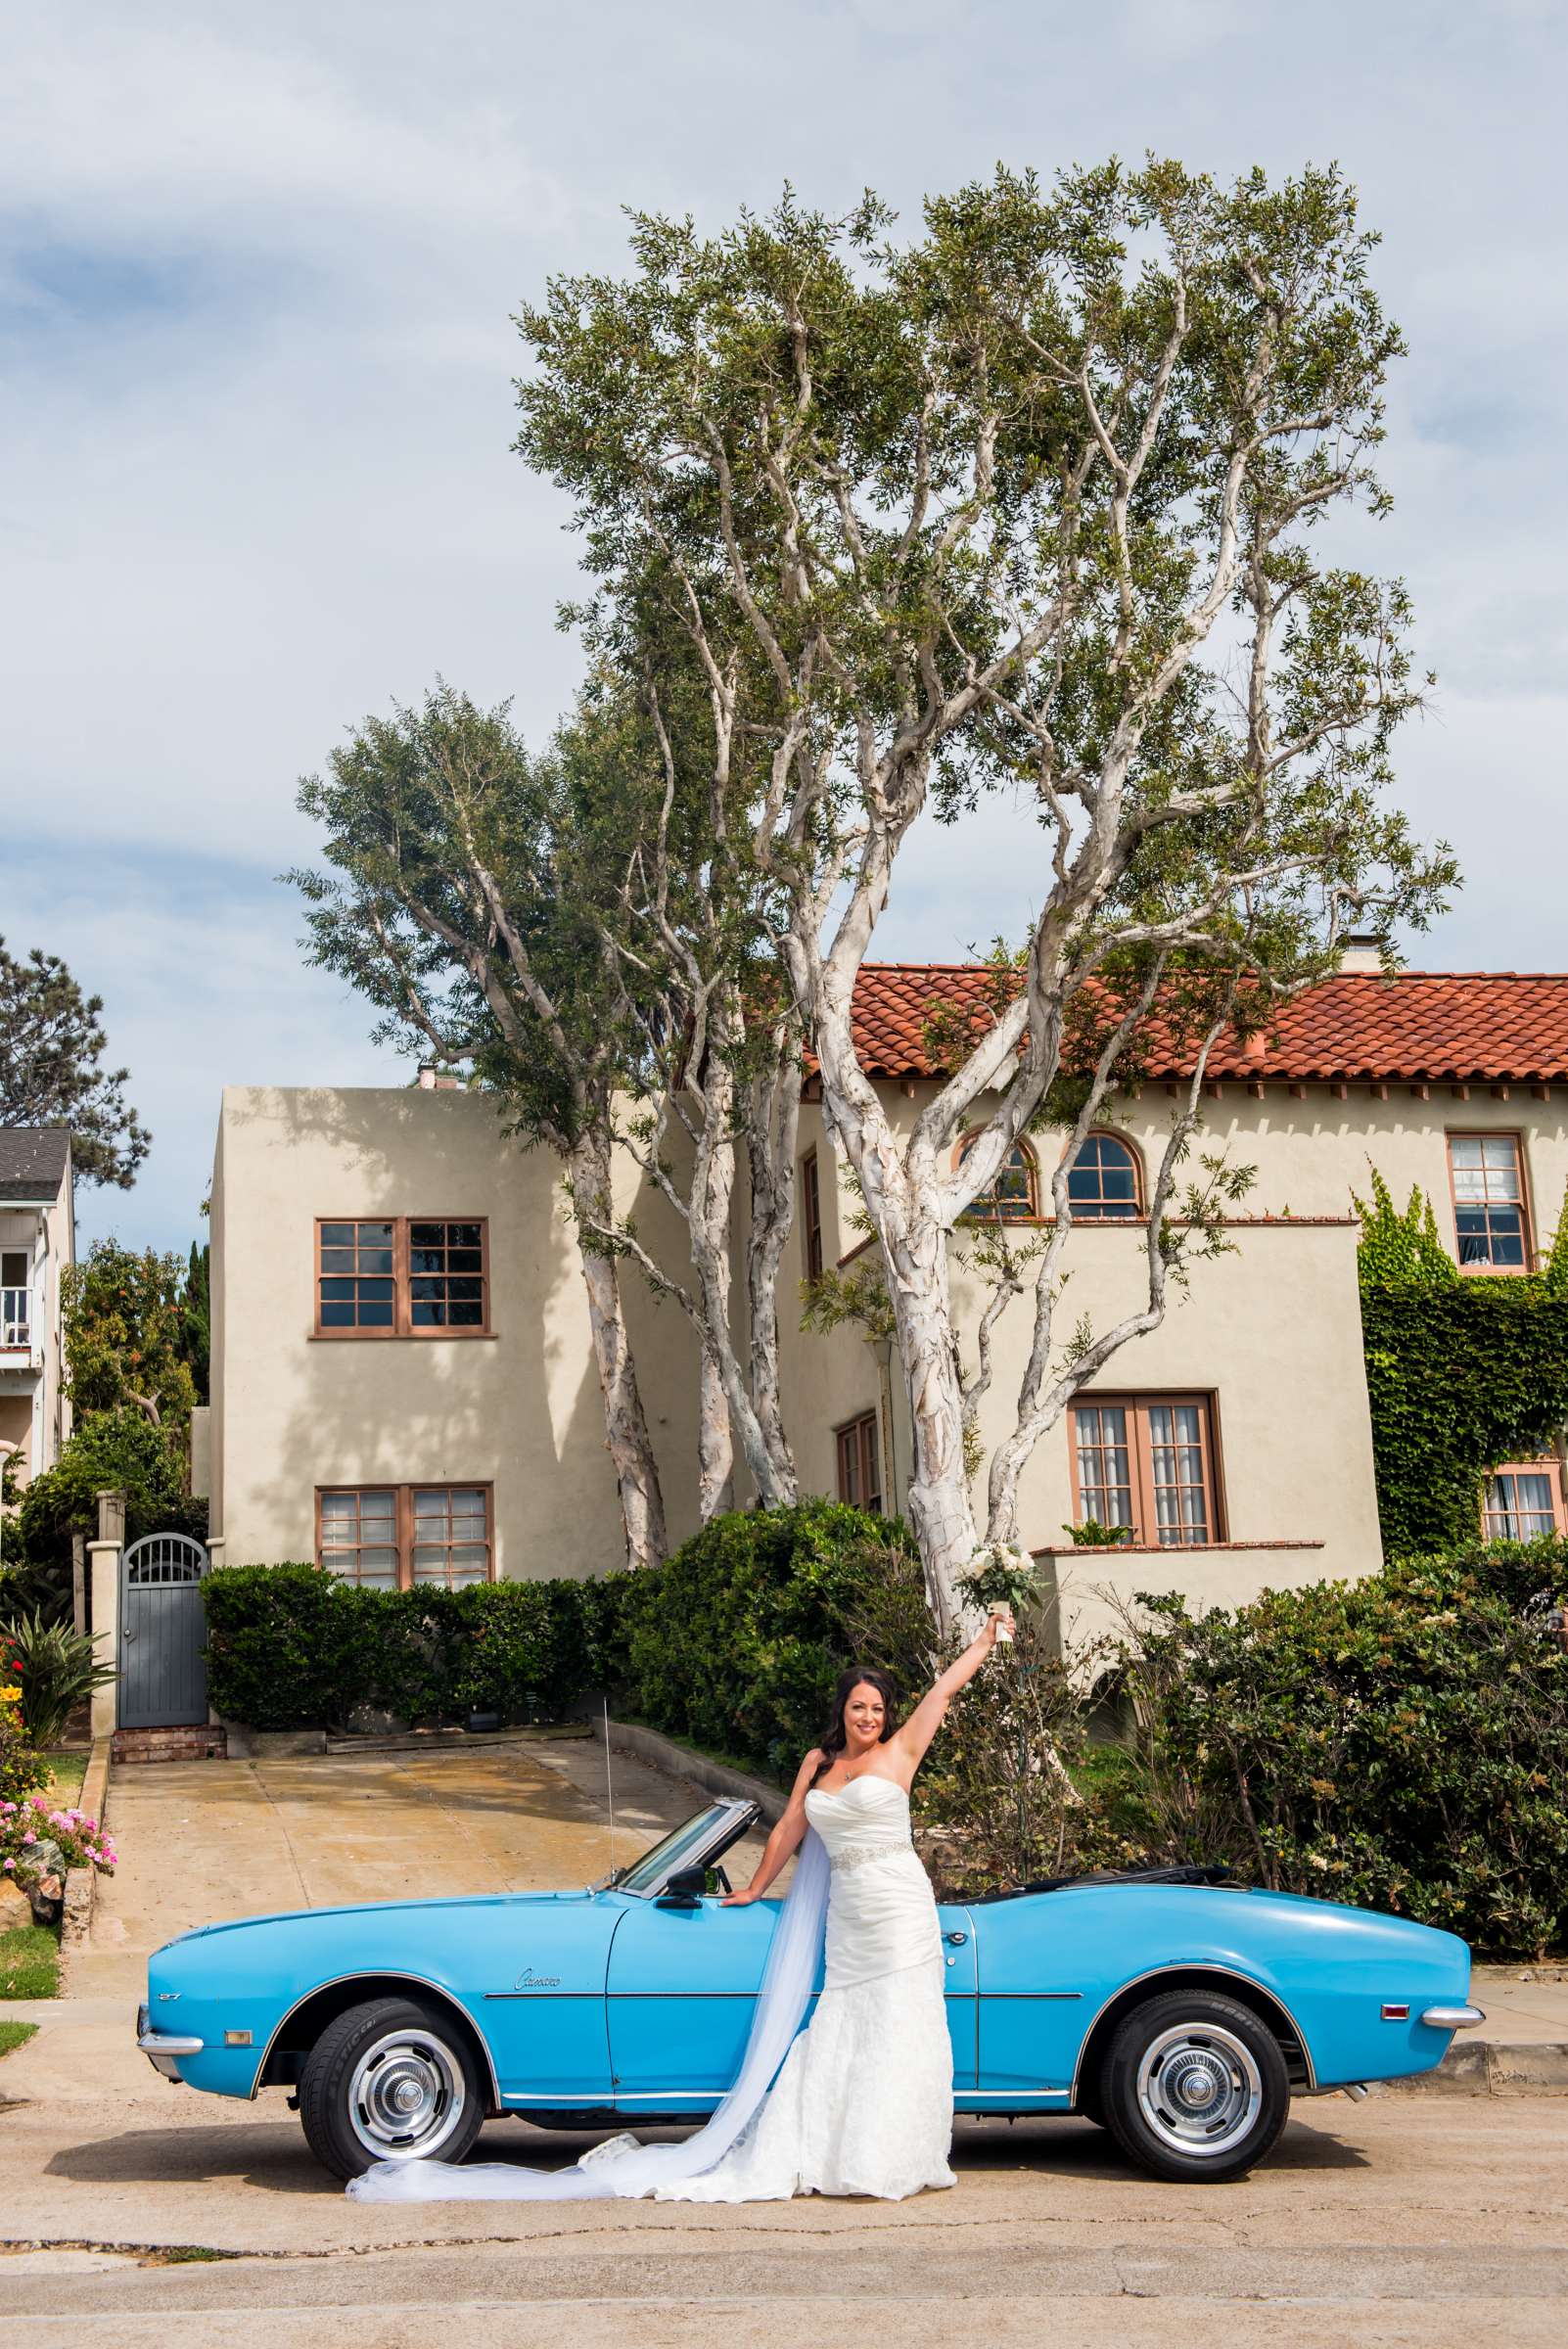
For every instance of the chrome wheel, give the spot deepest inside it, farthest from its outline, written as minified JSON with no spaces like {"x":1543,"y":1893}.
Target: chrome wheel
{"x":1199,"y":2089}
{"x":406,"y":2096}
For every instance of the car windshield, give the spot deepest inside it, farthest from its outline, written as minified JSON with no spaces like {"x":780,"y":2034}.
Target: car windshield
{"x":692,"y":1840}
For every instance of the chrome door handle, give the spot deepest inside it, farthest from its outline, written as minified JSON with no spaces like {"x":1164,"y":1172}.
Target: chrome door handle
{"x":955,"y":1941}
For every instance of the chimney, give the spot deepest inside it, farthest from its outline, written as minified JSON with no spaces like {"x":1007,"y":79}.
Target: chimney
{"x":433,"y":1079}
{"x":427,"y":1076}
{"x":1360,"y":951}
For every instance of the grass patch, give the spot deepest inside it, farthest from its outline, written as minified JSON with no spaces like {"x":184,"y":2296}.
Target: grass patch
{"x":184,"y":2255}
{"x":16,"y":2035}
{"x":29,"y":1964}
{"x":66,"y":1773}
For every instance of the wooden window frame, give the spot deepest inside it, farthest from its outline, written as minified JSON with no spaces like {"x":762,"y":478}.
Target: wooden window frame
{"x":857,"y":1430}
{"x":1145,"y":1530}
{"x":403,"y":1324}
{"x":811,"y":1251}
{"x":1141,"y":1212}
{"x":1548,"y":1465}
{"x":403,"y":1501}
{"x":973,"y":1213}
{"x":1492,"y":1133}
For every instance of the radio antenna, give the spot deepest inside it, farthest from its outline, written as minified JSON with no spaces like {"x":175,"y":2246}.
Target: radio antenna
{"x":609,"y":1789}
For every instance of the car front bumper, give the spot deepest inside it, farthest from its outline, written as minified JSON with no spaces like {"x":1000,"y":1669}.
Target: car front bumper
{"x":162,"y":2048}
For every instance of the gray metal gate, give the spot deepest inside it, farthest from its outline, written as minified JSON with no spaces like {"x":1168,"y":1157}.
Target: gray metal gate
{"x":162,"y":1680}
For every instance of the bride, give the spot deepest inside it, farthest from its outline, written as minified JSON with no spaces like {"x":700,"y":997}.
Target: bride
{"x":863,"y":2102}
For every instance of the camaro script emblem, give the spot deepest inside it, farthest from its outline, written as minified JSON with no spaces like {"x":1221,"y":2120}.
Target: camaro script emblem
{"x":527,"y":1979}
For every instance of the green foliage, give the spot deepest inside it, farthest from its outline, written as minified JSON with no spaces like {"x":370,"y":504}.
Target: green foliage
{"x":59,"y":1668}
{"x":735,"y":1643}
{"x":1401,"y":1251}
{"x":115,"y":1450}
{"x":1464,"y":1371}
{"x":126,"y":1337}
{"x":856,"y":1297}
{"x":1091,"y":1535}
{"x":29,"y":1964}
{"x":291,"y":1647}
{"x":16,"y":2035}
{"x":195,"y":1317}
{"x":1400,"y":1743}
{"x":22,"y":1767}
{"x":52,"y":1046}
{"x":996,"y":1804}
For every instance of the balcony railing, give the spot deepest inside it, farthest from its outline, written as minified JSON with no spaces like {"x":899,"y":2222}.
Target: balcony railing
{"x":15,"y":1318}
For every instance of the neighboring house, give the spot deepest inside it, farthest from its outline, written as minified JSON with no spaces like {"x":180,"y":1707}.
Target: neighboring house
{"x":37,"y":1240}
{"x":403,"y":1388}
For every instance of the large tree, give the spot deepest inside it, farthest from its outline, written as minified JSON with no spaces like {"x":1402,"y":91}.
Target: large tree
{"x":52,"y":1047}
{"x":1029,"y":503}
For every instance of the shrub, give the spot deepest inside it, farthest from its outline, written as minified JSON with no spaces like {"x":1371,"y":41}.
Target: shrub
{"x":21,"y":1766}
{"x":1400,"y":1742}
{"x":36,"y":1839}
{"x":735,"y":1643}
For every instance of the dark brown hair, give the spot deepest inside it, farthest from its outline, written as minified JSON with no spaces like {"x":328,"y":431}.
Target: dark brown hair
{"x":858,"y":1676}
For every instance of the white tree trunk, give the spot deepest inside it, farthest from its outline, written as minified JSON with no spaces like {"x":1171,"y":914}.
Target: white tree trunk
{"x":772,"y":1132}
{"x":715,"y":1450}
{"x":642,"y":1503}
{"x":898,"y":1184}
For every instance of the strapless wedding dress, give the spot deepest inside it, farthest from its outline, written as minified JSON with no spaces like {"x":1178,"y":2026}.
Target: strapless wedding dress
{"x":859,"y":2102}
{"x":863,"y":2104}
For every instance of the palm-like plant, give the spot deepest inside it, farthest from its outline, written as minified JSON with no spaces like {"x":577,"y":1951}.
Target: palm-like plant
{"x":59,"y":1668}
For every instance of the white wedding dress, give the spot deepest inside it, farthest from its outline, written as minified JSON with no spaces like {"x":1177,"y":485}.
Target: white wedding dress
{"x":861,"y":2102}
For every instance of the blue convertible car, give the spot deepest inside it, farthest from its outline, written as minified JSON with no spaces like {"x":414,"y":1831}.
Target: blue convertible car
{"x":1179,"y":2013}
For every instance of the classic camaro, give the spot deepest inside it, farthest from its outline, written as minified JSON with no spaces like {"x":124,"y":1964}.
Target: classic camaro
{"x":1177,"y":2010}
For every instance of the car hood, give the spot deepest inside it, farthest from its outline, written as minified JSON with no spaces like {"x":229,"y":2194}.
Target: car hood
{"x":467,"y":1901}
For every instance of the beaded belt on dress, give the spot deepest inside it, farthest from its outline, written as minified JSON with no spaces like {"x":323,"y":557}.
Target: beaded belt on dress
{"x":858,"y":1855}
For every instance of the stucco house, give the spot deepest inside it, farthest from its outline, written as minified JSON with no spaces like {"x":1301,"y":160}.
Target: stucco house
{"x":37,"y":1241}
{"x":404,"y":1386}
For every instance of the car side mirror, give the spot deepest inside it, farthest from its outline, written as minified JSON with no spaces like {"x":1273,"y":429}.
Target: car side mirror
{"x":684,"y":1889}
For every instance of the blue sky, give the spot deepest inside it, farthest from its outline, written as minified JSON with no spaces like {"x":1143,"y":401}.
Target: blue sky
{"x":256,"y":272}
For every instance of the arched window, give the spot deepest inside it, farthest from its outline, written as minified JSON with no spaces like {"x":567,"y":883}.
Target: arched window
{"x":1012,"y":1196}
{"x":1103,"y":1183}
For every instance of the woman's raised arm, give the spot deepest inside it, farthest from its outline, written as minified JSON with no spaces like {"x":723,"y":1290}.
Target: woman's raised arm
{"x":928,"y":1715}
{"x":785,"y":1838}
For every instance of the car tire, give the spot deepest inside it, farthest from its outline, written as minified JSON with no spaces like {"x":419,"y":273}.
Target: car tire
{"x":1194,"y":2087}
{"x":390,"y":2081}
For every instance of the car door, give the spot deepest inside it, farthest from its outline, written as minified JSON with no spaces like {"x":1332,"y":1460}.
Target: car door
{"x":959,"y":1989}
{"x":539,"y":1973}
{"x":682,"y":1986}
{"x":1031,"y":2005}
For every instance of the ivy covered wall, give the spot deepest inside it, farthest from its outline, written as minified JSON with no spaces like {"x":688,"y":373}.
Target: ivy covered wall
{"x":1464,"y":1371}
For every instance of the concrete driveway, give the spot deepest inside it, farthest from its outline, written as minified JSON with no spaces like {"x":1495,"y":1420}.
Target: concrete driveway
{"x":201,"y":1841}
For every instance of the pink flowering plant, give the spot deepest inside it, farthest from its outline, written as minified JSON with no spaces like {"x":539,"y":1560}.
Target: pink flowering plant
{"x":38,"y":1841}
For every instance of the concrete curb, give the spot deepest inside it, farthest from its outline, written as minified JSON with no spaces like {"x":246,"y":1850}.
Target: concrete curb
{"x":81,"y":1883}
{"x":1490,"y":2067}
{"x":678,"y":1761}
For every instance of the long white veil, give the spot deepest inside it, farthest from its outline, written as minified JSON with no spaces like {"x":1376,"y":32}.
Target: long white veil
{"x":623,"y":2167}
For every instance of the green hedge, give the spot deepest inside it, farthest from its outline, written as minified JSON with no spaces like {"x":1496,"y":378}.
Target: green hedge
{"x":1400,"y":1743}
{"x":735,"y":1643}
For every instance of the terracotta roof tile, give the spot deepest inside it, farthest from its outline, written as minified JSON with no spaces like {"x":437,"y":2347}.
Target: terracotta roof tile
{"x":1481,"y":1026}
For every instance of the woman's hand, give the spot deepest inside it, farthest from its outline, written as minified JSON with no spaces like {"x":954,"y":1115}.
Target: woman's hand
{"x":742,"y":1899}
{"x":995,"y":1626}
